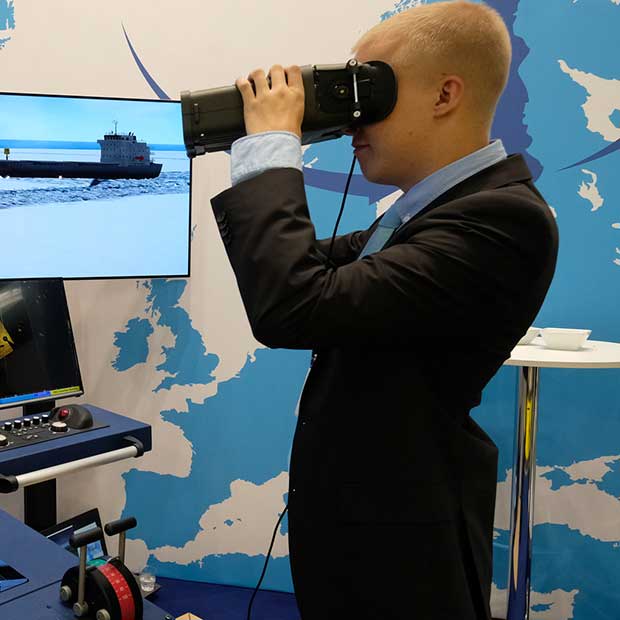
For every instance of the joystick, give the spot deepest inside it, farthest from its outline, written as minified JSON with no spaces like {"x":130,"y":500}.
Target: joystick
{"x":105,"y":592}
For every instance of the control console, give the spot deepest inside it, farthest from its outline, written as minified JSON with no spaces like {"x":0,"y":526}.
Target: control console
{"x":59,"y":422}
{"x":40,"y":595}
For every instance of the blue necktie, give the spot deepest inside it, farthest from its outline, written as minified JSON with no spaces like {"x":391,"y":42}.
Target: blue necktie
{"x":387,"y":225}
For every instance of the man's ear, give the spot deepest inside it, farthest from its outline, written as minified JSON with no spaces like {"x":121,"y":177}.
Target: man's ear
{"x":449,"y":95}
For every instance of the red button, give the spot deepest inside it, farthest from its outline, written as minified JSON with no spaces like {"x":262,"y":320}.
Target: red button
{"x":63,"y":414}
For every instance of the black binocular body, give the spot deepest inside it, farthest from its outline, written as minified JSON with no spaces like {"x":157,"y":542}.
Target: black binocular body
{"x":337,"y":97}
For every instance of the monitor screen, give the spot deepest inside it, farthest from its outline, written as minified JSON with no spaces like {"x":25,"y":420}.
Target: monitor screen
{"x":38,"y":360}
{"x":93,"y":188}
{"x":62,"y":532}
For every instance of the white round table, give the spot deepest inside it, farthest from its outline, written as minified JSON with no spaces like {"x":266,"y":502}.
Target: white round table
{"x":530,"y":358}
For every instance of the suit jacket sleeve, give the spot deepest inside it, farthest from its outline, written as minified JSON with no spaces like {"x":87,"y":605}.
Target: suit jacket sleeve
{"x":461,"y":267}
{"x":346,"y":247}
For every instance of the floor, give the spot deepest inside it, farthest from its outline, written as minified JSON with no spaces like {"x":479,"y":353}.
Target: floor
{"x":214,"y":602}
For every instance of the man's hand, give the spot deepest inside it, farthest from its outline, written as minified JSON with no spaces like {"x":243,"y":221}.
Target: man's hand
{"x":279,"y":108}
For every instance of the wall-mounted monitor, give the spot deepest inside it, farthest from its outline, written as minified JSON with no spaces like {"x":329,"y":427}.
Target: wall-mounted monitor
{"x":92,"y":188}
{"x":38,"y":360}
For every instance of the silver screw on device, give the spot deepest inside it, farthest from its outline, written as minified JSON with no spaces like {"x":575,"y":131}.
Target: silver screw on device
{"x":80,"y":609}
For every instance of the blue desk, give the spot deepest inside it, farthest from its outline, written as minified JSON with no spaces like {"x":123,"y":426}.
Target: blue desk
{"x":43,"y":563}
{"x":71,"y":448}
{"x":40,"y":499}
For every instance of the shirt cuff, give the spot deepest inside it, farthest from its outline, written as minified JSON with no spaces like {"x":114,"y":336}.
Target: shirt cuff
{"x":259,"y":152}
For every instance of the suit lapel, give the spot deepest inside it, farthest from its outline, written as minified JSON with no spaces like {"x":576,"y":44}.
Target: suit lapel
{"x":513,"y":169}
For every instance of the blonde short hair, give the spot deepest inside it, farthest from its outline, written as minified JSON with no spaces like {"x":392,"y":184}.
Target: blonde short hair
{"x":469,"y":39}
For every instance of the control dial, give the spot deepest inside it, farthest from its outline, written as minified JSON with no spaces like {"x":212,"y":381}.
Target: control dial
{"x":3,"y":441}
{"x":59,"y":427}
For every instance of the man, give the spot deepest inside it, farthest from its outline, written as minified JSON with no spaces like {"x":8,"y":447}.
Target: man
{"x":392,"y":484}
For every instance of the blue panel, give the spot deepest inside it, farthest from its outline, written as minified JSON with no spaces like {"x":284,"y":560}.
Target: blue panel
{"x":45,"y":605}
{"x":17,"y":549}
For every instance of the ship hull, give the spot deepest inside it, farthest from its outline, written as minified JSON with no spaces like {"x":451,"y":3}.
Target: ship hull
{"x":76,"y":170}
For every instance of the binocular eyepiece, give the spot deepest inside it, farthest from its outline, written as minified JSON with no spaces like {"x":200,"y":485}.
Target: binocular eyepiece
{"x":337,"y":97}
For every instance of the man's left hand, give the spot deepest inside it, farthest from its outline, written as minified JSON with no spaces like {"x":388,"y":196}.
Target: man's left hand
{"x":276,"y":108}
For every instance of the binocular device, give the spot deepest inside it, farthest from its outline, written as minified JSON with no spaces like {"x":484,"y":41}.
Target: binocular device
{"x":337,"y":97}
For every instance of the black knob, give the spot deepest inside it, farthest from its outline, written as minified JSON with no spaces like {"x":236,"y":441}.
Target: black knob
{"x":36,"y":420}
{"x":7,"y":426}
{"x":17,"y":424}
{"x":59,"y":427}
{"x":27,"y":422}
{"x":4,"y":441}
{"x":121,"y":525}
{"x":45,"y":418}
{"x":85,"y":538}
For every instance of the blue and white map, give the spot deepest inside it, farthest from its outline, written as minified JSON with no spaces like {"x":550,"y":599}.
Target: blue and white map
{"x":7,"y":20}
{"x":223,"y":408}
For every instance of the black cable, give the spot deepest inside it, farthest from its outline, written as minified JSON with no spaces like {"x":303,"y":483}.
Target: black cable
{"x":344,"y":197}
{"x":273,"y":538}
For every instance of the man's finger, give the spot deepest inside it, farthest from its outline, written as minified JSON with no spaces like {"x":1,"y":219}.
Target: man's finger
{"x":293,"y":74}
{"x":245,"y":88}
{"x":260,"y":81}
{"x":277,"y":76}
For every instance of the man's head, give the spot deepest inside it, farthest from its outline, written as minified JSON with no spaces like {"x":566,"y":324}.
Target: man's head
{"x":452,"y":61}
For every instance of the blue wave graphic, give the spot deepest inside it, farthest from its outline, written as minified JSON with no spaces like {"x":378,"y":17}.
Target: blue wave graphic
{"x":336,"y":182}
{"x":610,"y":148}
{"x":51,"y":191}
{"x":147,"y":76}
{"x":509,"y":123}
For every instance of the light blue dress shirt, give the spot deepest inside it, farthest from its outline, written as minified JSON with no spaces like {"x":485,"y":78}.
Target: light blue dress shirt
{"x":251,"y":155}
{"x":429,"y":188}
{"x":256,"y":153}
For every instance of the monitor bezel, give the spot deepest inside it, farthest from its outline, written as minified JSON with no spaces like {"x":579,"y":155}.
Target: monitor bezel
{"x":51,"y":397}
{"x":85,"y":518}
{"x":191,"y":169}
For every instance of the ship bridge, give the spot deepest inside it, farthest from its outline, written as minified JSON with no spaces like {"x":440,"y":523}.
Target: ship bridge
{"x":124,"y":149}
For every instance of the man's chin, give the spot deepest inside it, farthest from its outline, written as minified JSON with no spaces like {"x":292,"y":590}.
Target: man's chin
{"x":374,"y":176}
{"x":367,"y":170}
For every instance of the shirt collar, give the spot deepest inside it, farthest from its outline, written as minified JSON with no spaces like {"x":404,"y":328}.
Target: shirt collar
{"x":431,"y":187}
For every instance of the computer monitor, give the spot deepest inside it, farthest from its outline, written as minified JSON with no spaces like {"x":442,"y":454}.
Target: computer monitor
{"x":93,"y":188}
{"x":38,"y":360}
{"x":62,"y":532}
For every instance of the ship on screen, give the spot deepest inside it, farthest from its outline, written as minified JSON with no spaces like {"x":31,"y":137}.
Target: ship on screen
{"x":122,"y":157}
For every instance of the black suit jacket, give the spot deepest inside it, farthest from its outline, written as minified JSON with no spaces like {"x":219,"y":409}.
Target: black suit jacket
{"x":406,"y":339}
